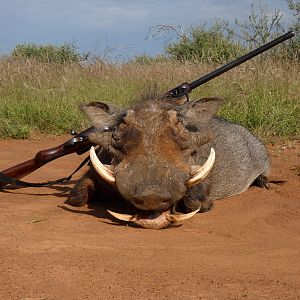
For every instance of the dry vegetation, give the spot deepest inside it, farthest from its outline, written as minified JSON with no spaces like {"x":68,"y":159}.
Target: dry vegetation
{"x":40,"y":97}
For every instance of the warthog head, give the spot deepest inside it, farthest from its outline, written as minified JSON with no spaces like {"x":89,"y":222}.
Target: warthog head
{"x":152,"y":145}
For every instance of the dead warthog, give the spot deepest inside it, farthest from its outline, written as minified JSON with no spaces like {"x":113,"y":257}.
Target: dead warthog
{"x":168,"y":161}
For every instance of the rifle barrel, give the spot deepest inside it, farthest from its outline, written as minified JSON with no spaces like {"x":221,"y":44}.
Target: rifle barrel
{"x":241,"y":60}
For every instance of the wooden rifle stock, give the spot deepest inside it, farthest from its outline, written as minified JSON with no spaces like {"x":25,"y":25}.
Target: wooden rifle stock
{"x":78,"y":144}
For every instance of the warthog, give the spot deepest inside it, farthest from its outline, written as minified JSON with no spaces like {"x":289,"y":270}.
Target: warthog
{"x":169,"y":161}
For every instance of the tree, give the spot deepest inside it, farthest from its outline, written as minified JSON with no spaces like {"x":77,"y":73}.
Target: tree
{"x":261,"y":26}
{"x":207,"y":44}
{"x":294,"y":6}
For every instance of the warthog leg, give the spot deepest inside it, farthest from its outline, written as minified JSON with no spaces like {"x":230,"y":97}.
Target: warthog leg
{"x":262,"y":181}
{"x":196,"y":197}
{"x":82,"y":192}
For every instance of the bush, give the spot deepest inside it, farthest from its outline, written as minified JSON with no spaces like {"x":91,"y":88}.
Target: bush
{"x":294,"y":46}
{"x":213,"y":44}
{"x":220,"y":43}
{"x":49,"y":53}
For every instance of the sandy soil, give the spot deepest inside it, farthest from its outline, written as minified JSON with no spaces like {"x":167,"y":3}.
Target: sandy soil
{"x":248,"y":246}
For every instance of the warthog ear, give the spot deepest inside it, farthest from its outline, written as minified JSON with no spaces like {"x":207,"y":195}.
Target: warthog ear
{"x":201,"y":111}
{"x":102,"y":114}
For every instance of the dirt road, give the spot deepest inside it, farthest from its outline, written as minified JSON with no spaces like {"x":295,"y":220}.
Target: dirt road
{"x":248,"y":246}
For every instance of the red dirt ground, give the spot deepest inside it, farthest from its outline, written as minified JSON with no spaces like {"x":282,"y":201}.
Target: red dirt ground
{"x":248,"y":246}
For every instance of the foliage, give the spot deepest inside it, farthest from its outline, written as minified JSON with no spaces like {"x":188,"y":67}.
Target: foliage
{"x":220,"y":42}
{"x":268,"y":115}
{"x":294,"y":45}
{"x":49,"y":53}
{"x":294,"y":6}
{"x":261,"y":26}
{"x":212,"y":44}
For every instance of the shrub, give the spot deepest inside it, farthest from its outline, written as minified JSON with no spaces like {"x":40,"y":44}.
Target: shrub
{"x":294,"y":45}
{"x":49,"y":53}
{"x":213,"y":44}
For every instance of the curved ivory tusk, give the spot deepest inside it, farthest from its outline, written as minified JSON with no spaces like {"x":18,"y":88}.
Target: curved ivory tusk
{"x":158,"y":222}
{"x":123,"y":217}
{"x":103,"y":171}
{"x":163,"y":220}
{"x":181,"y":217}
{"x":109,"y":169}
{"x":202,"y":171}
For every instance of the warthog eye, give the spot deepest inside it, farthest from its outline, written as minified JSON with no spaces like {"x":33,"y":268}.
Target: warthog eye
{"x":187,"y":136}
{"x":191,"y":128}
{"x":126,"y":138}
{"x":188,"y":126}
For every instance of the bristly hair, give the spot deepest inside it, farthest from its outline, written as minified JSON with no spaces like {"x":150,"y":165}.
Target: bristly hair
{"x":151,"y":92}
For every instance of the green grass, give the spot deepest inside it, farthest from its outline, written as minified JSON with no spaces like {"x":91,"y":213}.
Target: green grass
{"x":43,"y":98}
{"x":269,"y":116}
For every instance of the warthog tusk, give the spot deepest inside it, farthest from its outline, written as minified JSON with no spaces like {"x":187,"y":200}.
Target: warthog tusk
{"x":109,"y":169}
{"x":202,"y":171}
{"x":123,"y":217}
{"x":156,"y":221}
{"x":101,"y":169}
{"x":181,"y":217}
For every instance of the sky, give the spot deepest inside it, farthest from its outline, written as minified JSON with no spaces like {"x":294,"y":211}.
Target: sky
{"x":113,"y":28}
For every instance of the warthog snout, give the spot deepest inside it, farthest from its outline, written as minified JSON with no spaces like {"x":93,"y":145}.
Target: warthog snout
{"x":158,"y":187}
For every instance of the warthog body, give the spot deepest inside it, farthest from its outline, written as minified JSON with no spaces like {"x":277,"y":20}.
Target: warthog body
{"x":156,"y":145}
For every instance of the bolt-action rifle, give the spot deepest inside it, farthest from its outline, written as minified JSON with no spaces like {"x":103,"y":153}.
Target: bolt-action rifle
{"x":80,"y":143}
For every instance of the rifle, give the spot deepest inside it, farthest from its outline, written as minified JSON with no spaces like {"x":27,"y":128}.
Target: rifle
{"x":80,"y":143}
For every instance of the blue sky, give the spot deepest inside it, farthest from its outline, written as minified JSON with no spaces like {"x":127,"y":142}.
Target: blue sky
{"x":121,"y":26}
